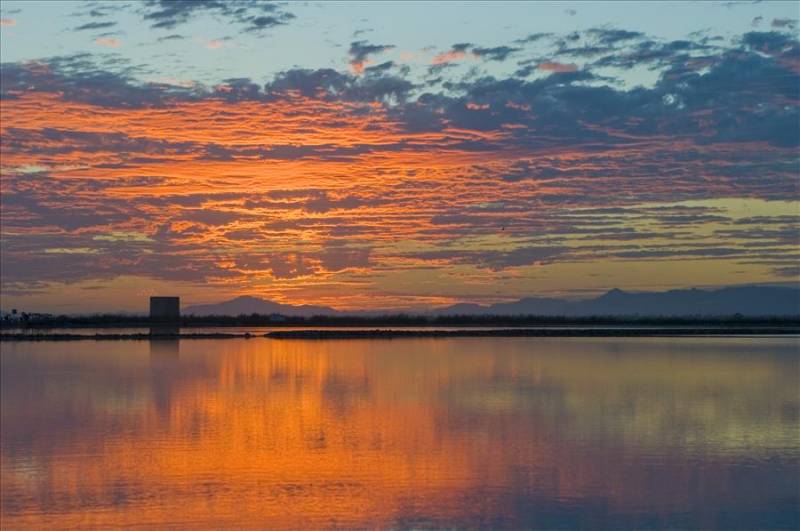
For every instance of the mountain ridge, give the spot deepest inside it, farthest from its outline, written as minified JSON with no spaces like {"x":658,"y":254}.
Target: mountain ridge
{"x":744,"y":300}
{"x":247,"y":304}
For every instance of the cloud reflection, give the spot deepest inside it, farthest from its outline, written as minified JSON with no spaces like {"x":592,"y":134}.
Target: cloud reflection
{"x":402,"y":433}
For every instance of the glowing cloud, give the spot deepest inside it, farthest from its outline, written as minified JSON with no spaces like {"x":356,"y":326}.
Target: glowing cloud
{"x":553,"y":66}
{"x":108,"y":42}
{"x":404,"y":184}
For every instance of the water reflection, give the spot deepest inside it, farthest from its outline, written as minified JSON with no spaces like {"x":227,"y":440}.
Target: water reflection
{"x":516,"y":432}
{"x":164,"y":350}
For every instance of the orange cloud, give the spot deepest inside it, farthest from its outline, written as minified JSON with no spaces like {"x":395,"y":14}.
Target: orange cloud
{"x":357,"y":67}
{"x":108,"y":42}
{"x":8,"y":22}
{"x":450,"y":57}
{"x":302,"y":195}
{"x":553,"y":66}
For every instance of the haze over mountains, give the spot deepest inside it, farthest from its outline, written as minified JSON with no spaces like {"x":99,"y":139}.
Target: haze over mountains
{"x":748,"y":300}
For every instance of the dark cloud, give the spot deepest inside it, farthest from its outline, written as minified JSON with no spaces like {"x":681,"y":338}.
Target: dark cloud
{"x":772,"y":43}
{"x":52,"y":141}
{"x":32,"y":207}
{"x":791,"y":271}
{"x":208,"y":216}
{"x":322,"y":202}
{"x":338,"y":257}
{"x":102,"y":10}
{"x":534,"y":37}
{"x":784,"y":23}
{"x":380,"y":68}
{"x":95,"y":26}
{"x":361,"y":50}
{"x":587,"y":50}
{"x":498,"y":53}
{"x":81,"y":78}
{"x":327,"y":82}
{"x":493,"y":259}
{"x":607,"y":36}
{"x":762,"y":220}
{"x":648,"y":53}
{"x":173,"y":37}
{"x":289,"y":265}
{"x":253,"y":15}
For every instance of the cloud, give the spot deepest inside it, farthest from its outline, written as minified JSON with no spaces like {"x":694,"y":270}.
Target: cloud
{"x":172,"y":37}
{"x":772,"y":43}
{"x":324,"y":175}
{"x":263,"y":22}
{"x":361,"y":50}
{"x":554,"y":66}
{"x":95,"y":26}
{"x":495,"y":260}
{"x":330,"y":83}
{"x":457,"y":52}
{"x":792,"y":271}
{"x":646,"y":53}
{"x":253,"y":15}
{"x":381,"y":68}
{"x":108,"y":42}
{"x":606,"y":36}
{"x":79,"y":78}
{"x":498,"y":53}
{"x":339,"y":257}
{"x":784,"y":23}
{"x":450,"y":57}
{"x":534,"y":37}
{"x":8,"y":22}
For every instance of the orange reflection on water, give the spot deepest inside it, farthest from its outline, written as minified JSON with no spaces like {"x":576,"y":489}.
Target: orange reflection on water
{"x":428,"y":432}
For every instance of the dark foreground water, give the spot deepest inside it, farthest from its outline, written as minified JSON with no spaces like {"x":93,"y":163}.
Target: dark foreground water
{"x":424,"y":433}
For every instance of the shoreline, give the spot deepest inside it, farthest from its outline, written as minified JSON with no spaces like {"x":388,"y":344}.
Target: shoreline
{"x":318,"y":334}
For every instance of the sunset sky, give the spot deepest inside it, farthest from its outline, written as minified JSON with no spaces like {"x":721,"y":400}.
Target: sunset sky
{"x":394,"y":155}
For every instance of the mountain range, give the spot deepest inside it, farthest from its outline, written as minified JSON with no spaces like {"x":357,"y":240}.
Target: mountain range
{"x":246,"y":305}
{"x":745,"y":300}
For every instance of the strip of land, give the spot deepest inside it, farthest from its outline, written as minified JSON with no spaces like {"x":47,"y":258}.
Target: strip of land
{"x":384,"y":322}
{"x":527,"y":332}
{"x":118,"y":337}
{"x":397,"y":334}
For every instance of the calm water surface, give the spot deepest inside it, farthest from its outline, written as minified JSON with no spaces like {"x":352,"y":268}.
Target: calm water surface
{"x":425,"y":433}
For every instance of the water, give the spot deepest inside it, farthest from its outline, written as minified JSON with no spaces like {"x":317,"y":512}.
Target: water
{"x":425,"y":433}
{"x":261,"y":330}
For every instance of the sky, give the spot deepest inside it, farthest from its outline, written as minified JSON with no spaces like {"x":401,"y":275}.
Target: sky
{"x":401,"y":155}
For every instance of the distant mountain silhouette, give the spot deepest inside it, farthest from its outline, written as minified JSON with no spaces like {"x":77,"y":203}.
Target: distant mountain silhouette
{"x":248,"y":305}
{"x":749,"y":300}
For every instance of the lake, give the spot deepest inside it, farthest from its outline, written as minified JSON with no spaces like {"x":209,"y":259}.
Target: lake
{"x":557,"y":433}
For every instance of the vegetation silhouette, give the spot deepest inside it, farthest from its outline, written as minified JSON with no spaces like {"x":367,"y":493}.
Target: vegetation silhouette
{"x":45,"y":321}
